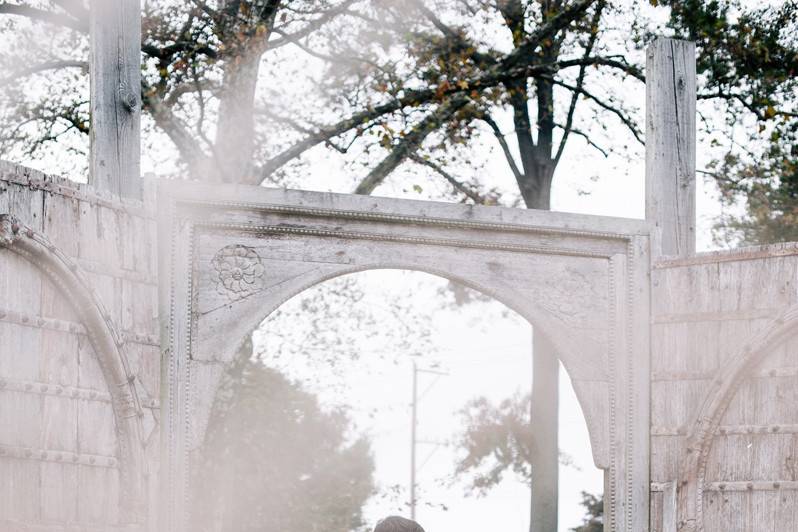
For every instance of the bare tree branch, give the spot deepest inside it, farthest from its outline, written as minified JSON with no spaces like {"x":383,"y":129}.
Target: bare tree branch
{"x":165,"y":53}
{"x":165,"y":119}
{"x":580,"y":79}
{"x":42,"y":15}
{"x":521,"y":55}
{"x":587,"y":138}
{"x":475,"y":196}
{"x":454,"y":36}
{"x":49,"y":65}
{"x":74,"y":7}
{"x":610,"y":61}
{"x":606,"y":106}
{"x":410,"y":143}
{"x":311,"y":26}
{"x":488,"y":119}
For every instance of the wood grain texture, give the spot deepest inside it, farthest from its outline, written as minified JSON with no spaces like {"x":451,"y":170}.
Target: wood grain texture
{"x":115,"y":74}
{"x":670,"y":145}
{"x":60,"y":452}
{"x":725,"y":386}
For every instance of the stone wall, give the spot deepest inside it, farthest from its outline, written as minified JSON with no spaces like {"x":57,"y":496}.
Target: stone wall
{"x":79,"y":357}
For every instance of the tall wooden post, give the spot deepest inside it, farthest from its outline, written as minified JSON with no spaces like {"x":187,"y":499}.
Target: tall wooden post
{"x":115,"y":72}
{"x":670,"y":145}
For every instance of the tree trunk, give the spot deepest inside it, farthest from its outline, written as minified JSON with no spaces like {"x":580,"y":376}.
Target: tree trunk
{"x":535,"y":186}
{"x":246,"y":38}
{"x":545,"y":458}
{"x":545,"y":383}
{"x":235,"y":130}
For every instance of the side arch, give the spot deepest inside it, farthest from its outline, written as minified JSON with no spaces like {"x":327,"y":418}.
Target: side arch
{"x":692,"y":473}
{"x":108,"y":346}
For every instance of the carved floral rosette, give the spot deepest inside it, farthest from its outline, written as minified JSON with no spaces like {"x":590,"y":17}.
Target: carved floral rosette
{"x":238,"y":271}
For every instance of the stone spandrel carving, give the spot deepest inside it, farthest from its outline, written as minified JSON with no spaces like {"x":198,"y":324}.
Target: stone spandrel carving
{"x":238,"y":271}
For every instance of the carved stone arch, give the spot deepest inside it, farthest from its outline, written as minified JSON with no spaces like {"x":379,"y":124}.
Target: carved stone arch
{"x":230,"y":255}
{"x":567,"y":349}
{"x":724,"y":387}
{"x":106,"y":343}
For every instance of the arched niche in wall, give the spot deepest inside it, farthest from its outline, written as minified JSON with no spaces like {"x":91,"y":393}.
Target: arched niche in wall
{"x":104,"y":342}
{"x":231,"y":255}
{"x":709,"y":438}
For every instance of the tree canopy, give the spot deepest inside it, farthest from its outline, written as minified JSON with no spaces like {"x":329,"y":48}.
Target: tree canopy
{"x":497,"y":439}
{"x":594,"y":514}
{"x":428,"y":84}
{"x":748,"y":57}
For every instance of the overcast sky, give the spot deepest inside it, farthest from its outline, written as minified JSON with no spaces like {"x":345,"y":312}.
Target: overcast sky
{"x":484,"y":348}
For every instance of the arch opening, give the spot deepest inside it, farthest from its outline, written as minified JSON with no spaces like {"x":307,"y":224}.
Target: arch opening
{"x":588,"y":373}
{"x":315,"y":341}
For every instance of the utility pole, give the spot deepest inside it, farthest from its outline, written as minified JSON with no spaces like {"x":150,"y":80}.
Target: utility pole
{"x":414,"y":441}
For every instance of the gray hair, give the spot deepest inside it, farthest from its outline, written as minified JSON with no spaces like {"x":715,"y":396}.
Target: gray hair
{"x":395,"y":523}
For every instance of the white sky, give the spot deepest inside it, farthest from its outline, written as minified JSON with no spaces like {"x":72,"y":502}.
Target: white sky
{"x":485,"y":349}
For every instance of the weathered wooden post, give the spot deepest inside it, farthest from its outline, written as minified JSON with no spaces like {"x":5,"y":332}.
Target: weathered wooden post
{"x":670,"y":146}
{"x":670,"y":168}
{"x":115,"y":73}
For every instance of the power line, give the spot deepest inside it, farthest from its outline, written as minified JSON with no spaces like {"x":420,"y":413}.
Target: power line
{"x":414,"y":441}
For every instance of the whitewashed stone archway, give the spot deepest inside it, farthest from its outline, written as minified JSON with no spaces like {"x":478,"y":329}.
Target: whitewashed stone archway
{"x":230,"y":255}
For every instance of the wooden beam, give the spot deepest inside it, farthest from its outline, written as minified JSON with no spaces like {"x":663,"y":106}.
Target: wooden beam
{"x":115,"y":72}
{"x":670,"y":146}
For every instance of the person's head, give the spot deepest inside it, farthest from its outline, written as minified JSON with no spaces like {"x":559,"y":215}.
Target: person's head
{"x":395,"y":523}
